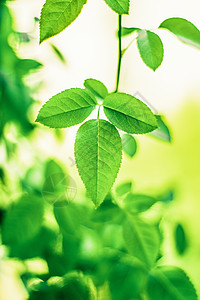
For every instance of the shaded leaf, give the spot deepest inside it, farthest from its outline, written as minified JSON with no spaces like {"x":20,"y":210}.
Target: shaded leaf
{"x":129,"y":114}
{"x":67,"y":108}
{"x":56,"y":15}
{"x":162,"y":132}
{"x":96,"y":87}
{"x":119,"y":6}
{"x":137,"y":203}
{"x":180,"y":239}
{"x":142,"y":240}
{"x":24,"y":66}
{"x":129,"y":145}
{"x":151,"y":48}
{"x":98,"y":153}
{"x":170,"y":283}
{"x":129,"y":30}
{"x":184,"y":30}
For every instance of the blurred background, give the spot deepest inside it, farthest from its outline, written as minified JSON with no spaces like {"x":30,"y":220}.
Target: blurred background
{"x":31,"y":73}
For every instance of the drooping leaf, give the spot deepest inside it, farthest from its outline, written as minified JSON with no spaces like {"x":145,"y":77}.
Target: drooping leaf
{"x":56,"y":15}
{"x":123,"y":188}
{"x":98,"y":153}
{"x":170,"y":283}
{"x":127,"y":278}
{"x":180,"y":239}
{"x":129,"y":144}
{"x":142,"y":240}
{"x":129,"y":30}
{"x":67,"y":108}
{"x":58,"y":53}
{"x":129,"y":114}
{"x":22,"y":220}
{"x":151,"y":48}
{"x":96,"y":87}
{"x":137,"y":203}
{"x":162,"y":132}
{"x":119,"y":6}
{"x":184,"y":30}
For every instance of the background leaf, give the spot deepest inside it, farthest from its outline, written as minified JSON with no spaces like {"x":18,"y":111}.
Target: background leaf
{"x":123,"y":188}
{"x":58,"y":53}
{"x":56,"y":15}
{"x":96,"y":87}
{"x":98,"y":153}
{"x":67,"y":108}
{"x":170,"y":283}
{"x":162,"y":132}
{"x":180,"y":239}
{"x":128,"y":113}
{"x":119,"y":6}
{"x":129,"y":30}
{"x":142,"y":240}
{"x":129,"y":145}
{"x":184,"y":30}
{"x":137,"y":203}
{"x":151,"y":48}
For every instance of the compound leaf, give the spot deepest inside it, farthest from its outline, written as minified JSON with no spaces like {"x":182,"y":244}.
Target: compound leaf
{"x":142,"y":240}
{"x":170,"y":283}
{"x":67,"y":108}
{"x":128,"y":113}
{"x":119,"y":6}
{"x":184,"y":30}
{"x":56,"y":15}
{"x":151,"y":48}
{"x":96,"y":87}
{"x":98,"y":153}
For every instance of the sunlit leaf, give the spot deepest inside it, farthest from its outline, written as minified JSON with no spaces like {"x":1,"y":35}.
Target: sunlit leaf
{"x":129,"y":145}
{"x":142,"y":240}
{"x":170,"y":283}
{"x":96,"y":87}
{"x":129,"y":114}
{"x":119,"y":6}
{"x":162,"y":132}
{"x":184,"y":30}
{"x":180,"y":239}
{"x":98,"y":153}
{"x":124,"y":188}
{"x":24,"y":66}
{"x":128,"y":30}
{"x":56,"y":15}
{"x":151,"y":48}
{"x":67,"y":108}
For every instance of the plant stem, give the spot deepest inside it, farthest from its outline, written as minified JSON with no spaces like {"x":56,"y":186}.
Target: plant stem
{"x":98,"y":112}
{"x":120,"y":51}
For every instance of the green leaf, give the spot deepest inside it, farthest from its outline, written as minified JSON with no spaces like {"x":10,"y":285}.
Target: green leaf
{"x":180,"y":239}
{"x":184,"y":30}
{"x":127,"y":278}
{"x":123,"y":188}
{"x":67,"y":108}
{"x":58,"y":53}
{"x":96,"y":87}
{"x":119,"y":6}
{"x":56,"y":15}
{"x":24,"y":66}
{"x":129,"y":30}
{"x":137,"y":203}
{"x":129,"y":145}
{"x":128,"y":113}
{"x":162,"y":132}
{"x":142,"y":240}
{"x":98,"y":154}
{"x":23,"y":220}
{"x":151,"y":48}
{"x":170,"y":283}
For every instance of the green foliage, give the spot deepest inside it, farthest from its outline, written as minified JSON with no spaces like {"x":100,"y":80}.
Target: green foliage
{"x":180,"y":239}
{"x":123,"y":188}
{"x":128,"y":113}
{"x":128,"y":30}
{"x":67,"y":108}
{"x":96,"y":87}
{"x":184,"y":30}
{"x":56,"y":15}
{"x":151,"y":48}
{"x":170,"y":283}
{"x":129,"y":145}
{"x":98,"y":153}
{"x":136,"y":203}
{"x":162,"y":132}
{"x":142,"y":240}
{"x":58,"y":53}
{"x":119,"y":6}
